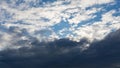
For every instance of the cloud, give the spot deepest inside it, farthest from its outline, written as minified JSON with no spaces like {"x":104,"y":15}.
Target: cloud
{"x":28,"y":38}
{"x":98,"y":30}
{"x":87,"y":3}
{"x":34,"y":16}
{"x":65,"y":53}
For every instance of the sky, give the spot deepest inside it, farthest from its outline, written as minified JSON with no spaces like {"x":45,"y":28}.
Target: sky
{"x":40,"y":31}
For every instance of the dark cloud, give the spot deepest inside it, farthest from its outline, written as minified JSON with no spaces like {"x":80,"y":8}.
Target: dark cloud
{"x":64,"y":53}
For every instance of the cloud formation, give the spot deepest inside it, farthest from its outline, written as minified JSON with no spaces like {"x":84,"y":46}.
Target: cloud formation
{"x":65,"y":53}
{"x":85,"y":18}
{"x":59,"y":34}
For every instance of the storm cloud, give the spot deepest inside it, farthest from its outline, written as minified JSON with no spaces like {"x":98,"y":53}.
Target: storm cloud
{"x":65,"y":53}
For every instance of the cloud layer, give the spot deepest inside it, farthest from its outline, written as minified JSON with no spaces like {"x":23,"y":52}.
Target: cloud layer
{"x":66,"y":54}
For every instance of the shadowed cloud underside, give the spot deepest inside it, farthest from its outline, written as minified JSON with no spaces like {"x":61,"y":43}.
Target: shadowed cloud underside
{"x":59,"y":34}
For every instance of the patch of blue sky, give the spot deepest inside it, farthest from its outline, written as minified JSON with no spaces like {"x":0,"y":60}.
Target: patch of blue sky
{"x":117,"y":13}
{"x":106,"y":8}
{"x":65,"y":33}
{"x":86,"y":22}
{"x":71,"y":17}
{"x":109,"y":7}
{"x":117,"y":8}
{"x":43,"y":32}
{"x":91,"y":21}
{"x":61,"y":26}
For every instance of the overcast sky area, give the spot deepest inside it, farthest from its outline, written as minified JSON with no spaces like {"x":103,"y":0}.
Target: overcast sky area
{"x":59,"y":33}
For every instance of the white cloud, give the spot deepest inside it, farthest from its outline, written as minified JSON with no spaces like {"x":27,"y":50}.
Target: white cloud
{"x":41,"y":18}
{"x":87,"y":3}
{"x":100,"y":29}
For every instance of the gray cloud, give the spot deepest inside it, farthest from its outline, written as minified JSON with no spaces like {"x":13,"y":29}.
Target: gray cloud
{"x":64,"y":53}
